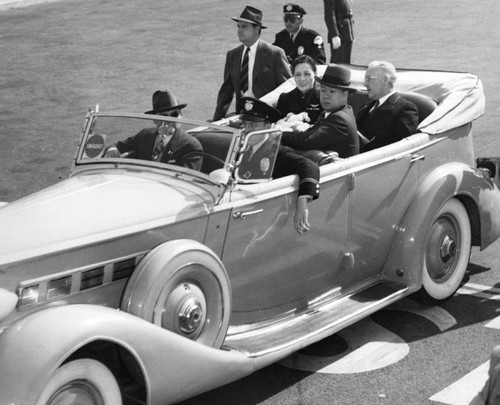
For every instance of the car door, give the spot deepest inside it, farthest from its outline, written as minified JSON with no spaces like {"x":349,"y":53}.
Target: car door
{"x":273,"y":269}
{"x":381,"y":192}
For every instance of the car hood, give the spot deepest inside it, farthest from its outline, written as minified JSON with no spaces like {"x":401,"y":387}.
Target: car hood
{"x":92,"y":206}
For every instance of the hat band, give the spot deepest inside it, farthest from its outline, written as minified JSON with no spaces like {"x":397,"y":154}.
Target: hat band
{"x":334,"y":81}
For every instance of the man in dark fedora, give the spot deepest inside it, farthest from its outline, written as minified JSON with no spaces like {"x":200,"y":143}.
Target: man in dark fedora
{"x":297,"y":40}
{"x":167,"y":142}
{"x":335,"y":130}
{"x":256,"y":115}
{"x":252,"y":69}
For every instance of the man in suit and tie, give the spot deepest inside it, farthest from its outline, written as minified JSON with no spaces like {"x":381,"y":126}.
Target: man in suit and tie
{"x":297,"y":40}
{"x":252,"y":69}
{"x":335,"y":129}
{"x":166,"y":142}
{"x":388,"y":117}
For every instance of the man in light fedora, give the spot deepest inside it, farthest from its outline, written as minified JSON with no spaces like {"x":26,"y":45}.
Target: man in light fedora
{"x":252,"y":69}
{"x":167,"y":142}
{"x":335,"y":130}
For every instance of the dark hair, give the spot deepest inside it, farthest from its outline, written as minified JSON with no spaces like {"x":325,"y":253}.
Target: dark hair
{"x":303,"y":59}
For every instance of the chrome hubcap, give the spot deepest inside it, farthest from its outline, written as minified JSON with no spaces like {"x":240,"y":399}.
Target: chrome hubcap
{"x":442,"y":250}
{"x":190,"y":315}
{"x":448,"y":248}
{"x":184,"y":310}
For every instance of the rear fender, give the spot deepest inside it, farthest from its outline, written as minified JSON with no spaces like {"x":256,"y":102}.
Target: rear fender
{"x":477,"y":193}
{"x":174,"y":367}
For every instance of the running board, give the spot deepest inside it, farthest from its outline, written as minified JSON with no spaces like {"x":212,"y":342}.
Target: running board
{"x":314,"y":324}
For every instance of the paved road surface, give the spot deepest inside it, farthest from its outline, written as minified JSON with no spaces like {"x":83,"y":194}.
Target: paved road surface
{"x":62,"y":57}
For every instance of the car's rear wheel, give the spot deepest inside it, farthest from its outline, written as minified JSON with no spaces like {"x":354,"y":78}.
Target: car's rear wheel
{"x":183,"y":287}
{"x":82,"y":382}
{"x":447,"y":252}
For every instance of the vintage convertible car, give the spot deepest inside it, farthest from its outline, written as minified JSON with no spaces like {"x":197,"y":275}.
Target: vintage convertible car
{"x":134,"y":281}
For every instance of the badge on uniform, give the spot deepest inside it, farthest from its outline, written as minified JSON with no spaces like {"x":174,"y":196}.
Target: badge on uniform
{"x":300,"y":50}
{"x":264,"y":165}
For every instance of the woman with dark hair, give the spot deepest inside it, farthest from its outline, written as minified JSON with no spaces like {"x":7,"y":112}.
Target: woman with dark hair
{"x":304,"y":98}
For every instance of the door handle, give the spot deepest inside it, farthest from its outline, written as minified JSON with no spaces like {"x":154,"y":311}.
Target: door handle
{"x":415,"y":157}
{"x":240,"y":214}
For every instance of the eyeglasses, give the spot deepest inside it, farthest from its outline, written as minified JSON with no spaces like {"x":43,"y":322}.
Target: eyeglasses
{"x":291,"y":18}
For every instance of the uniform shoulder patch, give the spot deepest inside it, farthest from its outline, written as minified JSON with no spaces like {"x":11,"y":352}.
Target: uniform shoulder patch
{"x":318,"y":40}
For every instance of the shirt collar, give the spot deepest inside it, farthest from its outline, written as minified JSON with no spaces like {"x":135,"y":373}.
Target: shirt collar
{"x":382,"y":100}
{"x":253,"y":48}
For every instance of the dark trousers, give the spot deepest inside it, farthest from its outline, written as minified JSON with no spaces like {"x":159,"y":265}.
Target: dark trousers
{"x":341,"y":54}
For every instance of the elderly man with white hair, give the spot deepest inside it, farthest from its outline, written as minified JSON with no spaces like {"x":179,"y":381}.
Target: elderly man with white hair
{"x":388,"y":117}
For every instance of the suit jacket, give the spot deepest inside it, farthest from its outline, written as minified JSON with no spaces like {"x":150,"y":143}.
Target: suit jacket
{"x":307,"y":42}
{"x":271,"y":68}
{"x":141,"y":145}
{"x":296,"y":102}
{"x":337,"y":132}
{"x":338,"y":19}
{"x":394,"y":120}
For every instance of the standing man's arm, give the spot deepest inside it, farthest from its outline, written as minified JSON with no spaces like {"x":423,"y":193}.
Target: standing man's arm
{"x":318,"y":50}
{"x":331,"y":23}
{"x":226,"y":92}
{"x":282,"y":70}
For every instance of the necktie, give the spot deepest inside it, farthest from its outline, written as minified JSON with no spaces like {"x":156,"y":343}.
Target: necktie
{"x":375,"y":106}
{"x":291,"y":37}
{"x":244,"y":72}
{"x":158,"y":149}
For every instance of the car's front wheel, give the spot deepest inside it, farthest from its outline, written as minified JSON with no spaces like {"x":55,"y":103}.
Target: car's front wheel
{"x":183,"y":287}
{"x":447,"y":252}
{"x":82,"y":382}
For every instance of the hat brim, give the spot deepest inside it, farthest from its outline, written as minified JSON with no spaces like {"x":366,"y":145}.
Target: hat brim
{"x":248,"y":21}
{"x":252,"y":117}
{"x":339,"y":86}
{"x":165,"y":109}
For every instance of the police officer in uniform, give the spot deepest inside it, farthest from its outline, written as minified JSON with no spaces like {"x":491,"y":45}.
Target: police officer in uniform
{"x":296,"y":40}
{"x":257,"y":115}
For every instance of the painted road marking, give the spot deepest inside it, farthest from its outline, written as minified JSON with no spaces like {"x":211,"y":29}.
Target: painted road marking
{"x":437,"y":315}
{"x":480,"y":291}
{"x":371,"y":347}
{"x":486,"y":292}
{"x":464,"y":390}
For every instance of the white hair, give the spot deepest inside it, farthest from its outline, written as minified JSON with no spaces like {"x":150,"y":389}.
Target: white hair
{"x":388,"y":69}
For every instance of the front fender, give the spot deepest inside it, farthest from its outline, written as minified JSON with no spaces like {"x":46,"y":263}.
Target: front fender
{"x":476,"y":191}
{"x":174,"y":367}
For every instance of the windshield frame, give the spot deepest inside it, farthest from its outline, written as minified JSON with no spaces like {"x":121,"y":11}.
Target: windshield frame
{"x":81,"y":159}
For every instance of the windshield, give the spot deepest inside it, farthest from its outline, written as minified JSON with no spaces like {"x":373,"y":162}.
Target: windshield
{"x":154,"y":140}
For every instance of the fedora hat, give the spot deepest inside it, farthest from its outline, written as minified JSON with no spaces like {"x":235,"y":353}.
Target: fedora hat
{"x":336,"y":76}
{"x":164,"y":101}
{"x":250,"y":15}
